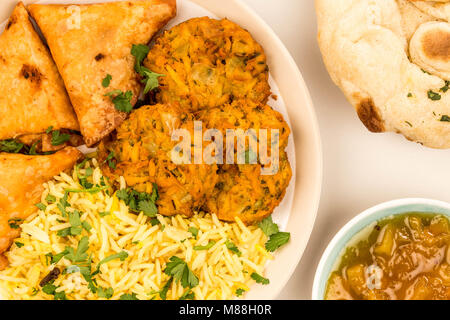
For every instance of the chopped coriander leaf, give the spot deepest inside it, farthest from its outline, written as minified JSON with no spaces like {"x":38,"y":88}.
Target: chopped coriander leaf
{"x":128,"y":296}
{"x":268,"y":226}
{"x":86,"y":226}
{"x":111,"y":160}
{"x":194,"y":231}
{"x":49,"y":288}
{"x":140,"y":52}
{"x":232,"y":247}
{"x":60,"y":295}
{"x":445,"y":118}
{"x":64,"y":232}
{"x":259,"y":279}
{"x":239,"y":292}
{"x":106,"y":81}
{"x":88,"y":172}
{"x":277,"y":240}
{"x":11,"y":146}
{"x":410,"y":95}
{"x":154,"y":221}
{"x":19,"y":244}
{"x":180,"y":271}
{"x":105,"y":293}
{"x":90,"y":190}
{"x":57,"y":257}
{"x":188,"y":295}
{"x":41,"y":206}
{"x":150,"y":79}
{"x":33,"y":148}
{"x":49,"y":129}
{"x":80,"y":254}
{"x":210,"y":244}
{"x":74,"y":218}
{"x":148,"y":207}
{"x":103,"y":214}
{"x":50,"y":198}
{"x":121,"y":100}
{"x":59,"y":138}
{"x":140,"y":201}
{"x":433,"y":95}
{"x":14,"y":223}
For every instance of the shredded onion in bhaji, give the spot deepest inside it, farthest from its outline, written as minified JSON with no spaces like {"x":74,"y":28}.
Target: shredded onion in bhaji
{"x":142,"y":152}
{"x":208,"y":63}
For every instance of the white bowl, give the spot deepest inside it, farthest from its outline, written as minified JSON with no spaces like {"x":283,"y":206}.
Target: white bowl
{"x":337,"y":246}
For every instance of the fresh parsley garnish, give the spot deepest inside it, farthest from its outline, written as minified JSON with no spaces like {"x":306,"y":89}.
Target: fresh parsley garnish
{"x":277,"y":240}
{"x":121,"y":255}
{"x":121,"y":100}
{"x":268,"y":226}
{"x":210,"y":244}
{"x":50,"y":198}
{"x":445,"y":118}
{"x":180,"y":271}
{"x":59,"y":138}
{"x":188,"y":295}
{"x":446,"y":87}
{"x":232,"y":247}
{"x":110,"y":159}
{"x":433,"y":95}
{"x":259,"y":279}
{"x":14,"y":223}
{"x":128,"y":296}
{"x":19,"y":244}
{"x":150,"y":78}
{"x":11,"y":146}
{"x":193,"y":231}
{"x":239,"y":292}
{"x":140,"y":201}
{"x":106,"y":81}
{"x":41,"y":206}
{"x":163,"y":292}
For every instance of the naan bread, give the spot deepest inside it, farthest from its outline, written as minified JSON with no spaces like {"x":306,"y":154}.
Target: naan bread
{"x":32,"y":93}
{"x":88,"y":42}
{"x":21,"y":186}
{"x":391,"y":58}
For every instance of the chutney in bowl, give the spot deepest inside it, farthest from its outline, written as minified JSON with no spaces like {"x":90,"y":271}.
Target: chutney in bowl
{"x":396,"y":251}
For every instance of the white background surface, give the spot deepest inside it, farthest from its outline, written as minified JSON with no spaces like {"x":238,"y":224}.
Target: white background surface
{"x":361,"y":169}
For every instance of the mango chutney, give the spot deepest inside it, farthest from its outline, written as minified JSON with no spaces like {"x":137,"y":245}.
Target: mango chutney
{"x":404,"y":257}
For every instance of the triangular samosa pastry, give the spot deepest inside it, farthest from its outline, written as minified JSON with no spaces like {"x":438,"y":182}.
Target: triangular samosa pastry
{"x":91,"y":43}
{"x":22,"y":178}
{"x":32,"y":93}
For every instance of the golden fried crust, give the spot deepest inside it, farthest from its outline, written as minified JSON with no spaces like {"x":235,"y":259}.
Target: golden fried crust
{"x":22,"y":177}
{"x":97,"y":42}
{"x":242,"y":191}
{"x":208,"y":63}
{"x":33,"y":96}
{"x":142,"y":156}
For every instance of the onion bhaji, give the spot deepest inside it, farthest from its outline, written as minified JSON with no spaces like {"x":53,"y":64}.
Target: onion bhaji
{"x":208,"y":63}
{"x":242,"y":190}
{"x":142,"y":155}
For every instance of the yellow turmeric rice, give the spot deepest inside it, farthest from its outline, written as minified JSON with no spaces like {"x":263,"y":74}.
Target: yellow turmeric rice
{"x":212,"y":259}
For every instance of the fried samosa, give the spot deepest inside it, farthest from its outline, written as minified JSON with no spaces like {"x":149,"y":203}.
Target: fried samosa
{"x":33,"y":96}
{"x":91,"y":45}
{"x":22,"y":179}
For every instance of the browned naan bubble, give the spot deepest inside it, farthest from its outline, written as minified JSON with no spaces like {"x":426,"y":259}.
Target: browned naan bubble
{"x":88,"y":42}
{"x":21,"y":186}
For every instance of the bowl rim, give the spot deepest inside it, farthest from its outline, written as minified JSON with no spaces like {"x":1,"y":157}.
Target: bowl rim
{"x":358,"y":223}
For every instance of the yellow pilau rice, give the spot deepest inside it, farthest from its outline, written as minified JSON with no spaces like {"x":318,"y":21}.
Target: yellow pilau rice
{"x":221,"y":272}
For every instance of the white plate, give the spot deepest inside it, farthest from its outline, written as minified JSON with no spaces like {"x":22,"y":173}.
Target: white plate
{"x":297,"y":213}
